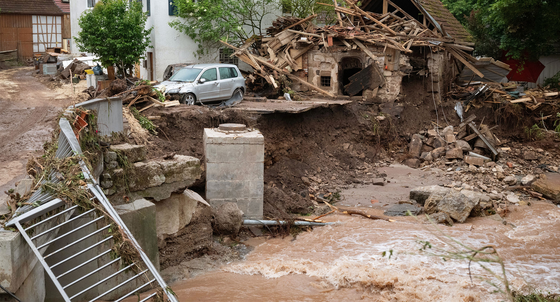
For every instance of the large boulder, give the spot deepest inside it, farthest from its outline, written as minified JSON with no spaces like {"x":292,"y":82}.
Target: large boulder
{"x":457,"y":204}
{"x":228,"y":219}
{"x":549,"y":186}
{"x":420,"y":194}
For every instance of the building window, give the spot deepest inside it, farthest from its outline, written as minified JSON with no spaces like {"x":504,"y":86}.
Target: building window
{"x":172,"y":8}
{"x":225,"y":56}
{"x":148,"y":7}
{"x":325,"y":81}
{"x":91,"y":3}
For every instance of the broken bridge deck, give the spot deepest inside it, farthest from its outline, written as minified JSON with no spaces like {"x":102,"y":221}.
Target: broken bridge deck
{"x":283,"y":106}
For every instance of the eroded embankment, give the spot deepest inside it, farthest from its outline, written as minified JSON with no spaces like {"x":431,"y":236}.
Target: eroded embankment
{"x":333,"y":146}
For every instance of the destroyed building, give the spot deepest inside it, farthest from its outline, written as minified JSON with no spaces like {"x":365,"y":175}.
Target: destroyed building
{"x":374,"y":50}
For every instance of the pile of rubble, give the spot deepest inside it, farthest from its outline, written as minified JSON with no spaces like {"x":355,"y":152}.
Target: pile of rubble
{"x":281,"y":53}
{"x":474,"y":144}
{"x":480,"y":94}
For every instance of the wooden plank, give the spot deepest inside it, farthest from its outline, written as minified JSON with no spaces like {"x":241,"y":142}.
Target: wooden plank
{"x":370,"y":17}
{"x":256,"y":65}
{"x":303,"y":21}
{"x":291,"y":76}
{"x":366,"y":50}
{"x":360,"y":81}
{"x":296,"y":56}
{"x":303,"y":33}
{"x":521,"y":100}
{"x":171,"y":104}
{"x":464,"y":61}
{"x":470,"y":137}
{"x":466,"y":121}
{"x":338,"y":14}
{"x":147,"y":107}
{"x":134,"y":100}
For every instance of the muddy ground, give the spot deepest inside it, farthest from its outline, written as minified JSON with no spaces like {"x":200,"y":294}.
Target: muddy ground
{"x":29,"y":106}
{"x":327,"y":150}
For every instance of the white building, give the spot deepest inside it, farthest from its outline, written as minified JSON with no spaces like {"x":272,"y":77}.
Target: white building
{"x":169,"y":45}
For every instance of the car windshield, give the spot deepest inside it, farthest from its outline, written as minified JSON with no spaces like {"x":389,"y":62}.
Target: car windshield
{"x":186,"y":75}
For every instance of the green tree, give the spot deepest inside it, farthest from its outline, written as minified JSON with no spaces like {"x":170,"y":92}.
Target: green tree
{"x":461,"y":9}
{"x":209,"y":21}
{"x":115,"y":30}
{"x":305,"y":8}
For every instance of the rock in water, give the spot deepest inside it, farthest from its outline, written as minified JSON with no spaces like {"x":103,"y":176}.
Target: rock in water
{"x":420,"y":194}
{"x":457,"y":204}
{"x":549,"y":186}
{"x":228,"y":219}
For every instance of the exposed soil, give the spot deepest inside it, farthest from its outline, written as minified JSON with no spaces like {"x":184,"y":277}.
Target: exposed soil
{"x":29,"y":110}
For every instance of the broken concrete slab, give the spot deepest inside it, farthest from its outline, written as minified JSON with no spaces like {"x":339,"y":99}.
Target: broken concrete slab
{"x":133,"y":153}
{"x":174,"y":213}
{"x":549,"y":186}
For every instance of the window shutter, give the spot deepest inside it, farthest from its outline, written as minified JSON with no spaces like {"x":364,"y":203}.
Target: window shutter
{"x":172,"y":8}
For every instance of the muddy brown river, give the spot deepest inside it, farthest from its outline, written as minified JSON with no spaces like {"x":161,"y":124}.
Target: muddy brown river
{"x":344,"y":262}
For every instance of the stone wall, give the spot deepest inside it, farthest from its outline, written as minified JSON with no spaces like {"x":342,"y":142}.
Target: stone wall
{"x":128,"y":173}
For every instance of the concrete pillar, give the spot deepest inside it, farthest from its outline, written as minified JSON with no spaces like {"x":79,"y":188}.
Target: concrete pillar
{"x":235,"y":168}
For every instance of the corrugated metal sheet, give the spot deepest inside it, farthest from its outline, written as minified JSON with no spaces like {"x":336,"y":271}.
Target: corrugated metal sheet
{"x":552,"y":67}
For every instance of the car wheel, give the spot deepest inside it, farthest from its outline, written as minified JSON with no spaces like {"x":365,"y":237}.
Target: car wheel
{"x":236,"y":91}
{"x":188,"y":98}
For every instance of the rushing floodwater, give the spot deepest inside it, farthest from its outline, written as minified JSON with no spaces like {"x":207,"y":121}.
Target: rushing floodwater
{"x":344,"y":262}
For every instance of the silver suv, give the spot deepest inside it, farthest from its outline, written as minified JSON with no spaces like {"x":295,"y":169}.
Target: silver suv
{"x":202,"y":83}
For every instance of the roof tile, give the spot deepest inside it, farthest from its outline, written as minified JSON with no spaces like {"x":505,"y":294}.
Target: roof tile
{"x":30,"y":7}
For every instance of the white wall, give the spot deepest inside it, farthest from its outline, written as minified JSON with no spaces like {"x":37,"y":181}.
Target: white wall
{"x":169,"y":46}
{"x":552,"y":67}
{"x":76,"y":9}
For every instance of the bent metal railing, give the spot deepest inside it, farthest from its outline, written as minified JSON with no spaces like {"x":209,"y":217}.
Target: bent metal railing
{"x":42,"y":234}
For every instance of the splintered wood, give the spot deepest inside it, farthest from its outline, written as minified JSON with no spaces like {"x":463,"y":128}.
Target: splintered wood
{"x":279,"y":55}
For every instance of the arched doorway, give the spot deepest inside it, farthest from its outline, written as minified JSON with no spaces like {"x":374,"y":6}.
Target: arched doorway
{"x":348,"y":67}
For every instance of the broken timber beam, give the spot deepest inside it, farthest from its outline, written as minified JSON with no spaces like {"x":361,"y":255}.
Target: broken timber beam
{"x":483,"y":138}
{"x":464,"y":61}
{"x":370,"y":17}
{"x":365,"y":49}
{"x":301,"y":22}
{"x":272,"y":66}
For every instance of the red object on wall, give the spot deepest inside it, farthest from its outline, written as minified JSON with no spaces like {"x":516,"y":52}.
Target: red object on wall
{"x":529,"y":71}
